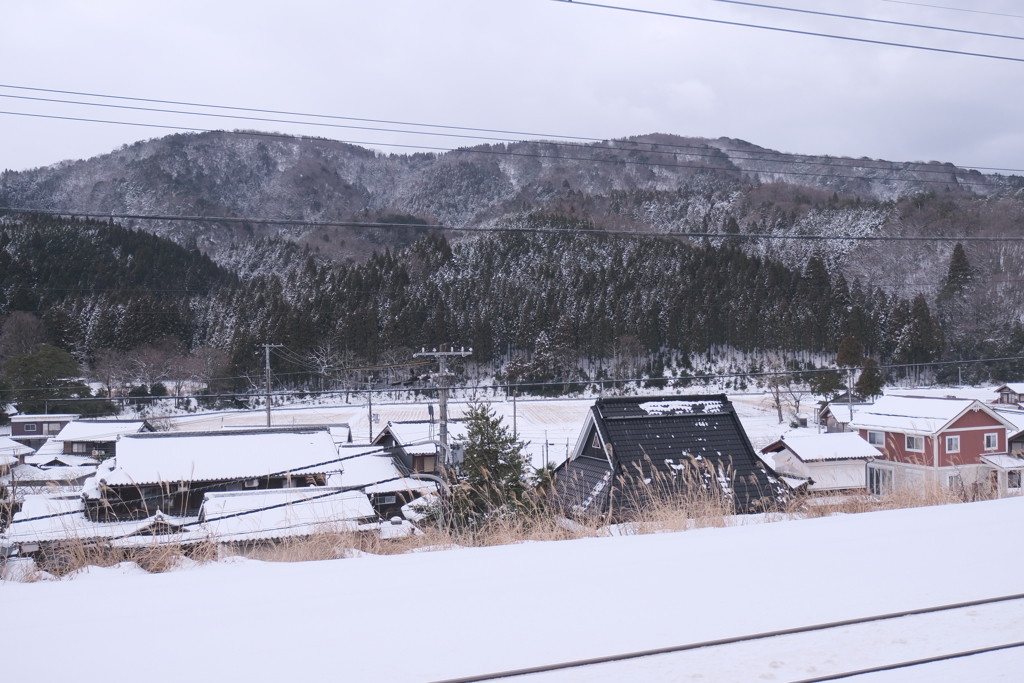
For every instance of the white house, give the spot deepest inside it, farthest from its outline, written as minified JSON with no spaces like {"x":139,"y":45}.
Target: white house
{"x":831,"y":462}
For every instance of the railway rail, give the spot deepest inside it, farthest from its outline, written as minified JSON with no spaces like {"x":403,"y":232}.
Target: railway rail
{"x":623,"y":657}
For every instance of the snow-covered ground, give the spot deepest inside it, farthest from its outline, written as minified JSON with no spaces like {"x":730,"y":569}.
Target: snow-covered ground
{"x":428,"y":616}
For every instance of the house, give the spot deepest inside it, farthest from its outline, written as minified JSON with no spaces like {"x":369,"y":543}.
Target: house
{"x":1015,"y":438}
{"x":97,"y":438}
{"x":836,"y":416}
{"x":632,"y":450}
{"x":1011,"y":393}
{"x":281,"y":513}
{"x":12,"y":453}
{"x":32,"y":430}
{"x":171,"y":471}
{"x":943,"y":441}
{"x":829,"y":462}
{"x":381,"y":475}
{"x":416,"y":443}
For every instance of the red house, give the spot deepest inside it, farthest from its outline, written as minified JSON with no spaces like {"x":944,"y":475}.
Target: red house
{"x":953,"y":442}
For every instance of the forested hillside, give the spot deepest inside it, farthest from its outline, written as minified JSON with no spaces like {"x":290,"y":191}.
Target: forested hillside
{"x":569,"y":307}
{"x":572,"y":304}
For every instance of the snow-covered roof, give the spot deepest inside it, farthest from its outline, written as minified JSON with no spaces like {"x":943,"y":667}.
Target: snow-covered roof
{"x":98,"y":430}
{"x":48,"y":417}
{"x":680,"y":407}
{"x":407,"y":484}
{"x":11,"y":448}
{"x":371,"y":467}
{"x":52,"y":518}
{"x":214,"y":456}
{"x":30,"y":475}
{"x":419,"y":437}
{"x":1015,"y":387}
{"x":1003,"y":461}
{"x":917,"y":414}
{"x":276,"y":513}
{"x":835,"y":446}
{"x":1015,"y":417}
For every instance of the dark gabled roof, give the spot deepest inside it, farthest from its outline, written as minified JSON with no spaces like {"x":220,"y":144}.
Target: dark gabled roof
{"x":666,"y":444}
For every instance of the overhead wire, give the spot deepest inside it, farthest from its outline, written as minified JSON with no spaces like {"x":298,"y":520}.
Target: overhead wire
{"x":656,"y":147}
{"x":868,"y":19}
{"x":779,"y":29}
{"x":530,"y":230}
{"x":954,"y":9}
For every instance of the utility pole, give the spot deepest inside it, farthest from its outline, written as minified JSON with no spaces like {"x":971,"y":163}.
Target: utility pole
{"x":267,"y":347}
{"x":369,"y":407}
{"x":442,"y":357}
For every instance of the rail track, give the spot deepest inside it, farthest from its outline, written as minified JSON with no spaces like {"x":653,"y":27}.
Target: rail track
{"x":590,"y":664}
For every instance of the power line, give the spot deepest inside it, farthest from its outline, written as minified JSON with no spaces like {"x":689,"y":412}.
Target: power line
{"x":793,"y":31}
{"x":528,"y":230}
{"x":253,"y":118}
{"x":868,"y":19}
{"x":954,"y":9}
{"x":797,"y":159}
{"x":958,"y":181}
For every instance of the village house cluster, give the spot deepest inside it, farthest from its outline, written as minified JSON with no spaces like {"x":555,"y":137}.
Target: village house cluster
{"x":124,"y":484}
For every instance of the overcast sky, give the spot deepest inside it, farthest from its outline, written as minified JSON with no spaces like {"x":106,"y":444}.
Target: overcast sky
{"x":537,"y":66}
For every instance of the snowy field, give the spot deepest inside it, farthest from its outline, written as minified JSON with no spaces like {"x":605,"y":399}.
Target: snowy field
{"x":430,"y":616}
{"x":558,"y":420}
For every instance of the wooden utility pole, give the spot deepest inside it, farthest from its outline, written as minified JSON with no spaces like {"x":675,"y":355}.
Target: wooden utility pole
{"x":267,"y":347}
{"x":442,"y":401}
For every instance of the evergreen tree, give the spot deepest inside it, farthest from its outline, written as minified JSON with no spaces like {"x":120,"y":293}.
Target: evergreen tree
{"x":960,"y":273}
{"x":871,"y":380}
{"x":494,"y":466}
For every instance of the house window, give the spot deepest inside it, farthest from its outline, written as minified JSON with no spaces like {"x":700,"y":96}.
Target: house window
{"x":30,"y":426}
{"x":876,"y":438}
{"x":428,"y":463}
{"x":78,"y":447}
{"x":51,"y":428}
{"x":915,"y":443}
{"x":595,"y":443}
{"x":991,"y":442}
{"x":387,"y":500}
{"x":252,"y":483}
{"x":879,"y":480}
{"x":952,"y":444}
{"x":955,"y":482}
{"x":1013,"y":479}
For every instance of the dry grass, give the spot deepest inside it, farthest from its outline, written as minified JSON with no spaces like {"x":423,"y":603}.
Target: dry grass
{"x":661,"y":508}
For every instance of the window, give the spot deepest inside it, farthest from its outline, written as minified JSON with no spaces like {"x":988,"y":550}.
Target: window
{"x":991,"y":442}
{"x":77,"y":447}
{"x":252,"y":483}
{"x":879,"y":480}
{"x":51,"y":428}
{"x":952,"y":444}
{"x":387,"y":500}
{"x":1013,"y":479}
{"x":876,"y":438}
{"x":30,"y":426}
{"x":428,"y":463}
{"x":596,"y":444}
{"x":955,"y":482}
{"x":915,"y":443}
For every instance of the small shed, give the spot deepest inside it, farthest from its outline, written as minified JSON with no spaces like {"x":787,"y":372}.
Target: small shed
{"x":831,"y":462}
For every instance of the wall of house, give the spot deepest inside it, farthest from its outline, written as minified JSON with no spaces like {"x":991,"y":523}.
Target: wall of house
{"x":914,"y":477}
{"x":788,"y":464}
{"x":895,"y":449}
{"x":834,"y":475}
